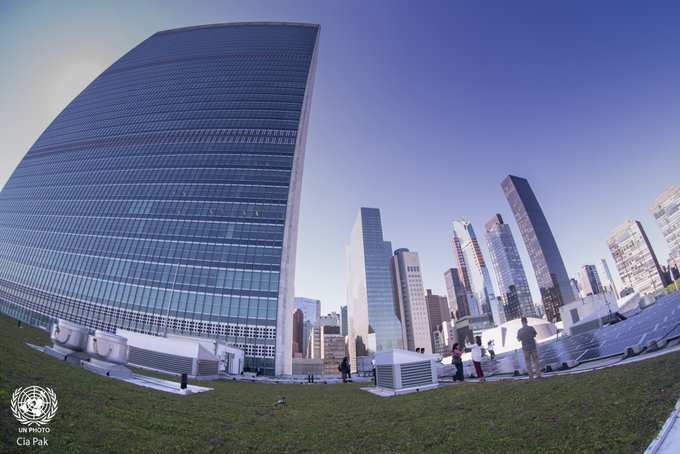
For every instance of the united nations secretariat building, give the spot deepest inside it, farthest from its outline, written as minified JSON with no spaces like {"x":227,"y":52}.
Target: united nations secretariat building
{"x":164,"y":199}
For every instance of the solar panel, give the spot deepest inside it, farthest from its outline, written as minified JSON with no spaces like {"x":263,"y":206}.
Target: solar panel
{"x":662,"y":320}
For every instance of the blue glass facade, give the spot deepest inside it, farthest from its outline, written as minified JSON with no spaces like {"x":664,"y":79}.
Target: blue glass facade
{"x":512,"y":281}
{"x":165,"y":197}
{"x":373,"y":321}
{"x":540,"y":242}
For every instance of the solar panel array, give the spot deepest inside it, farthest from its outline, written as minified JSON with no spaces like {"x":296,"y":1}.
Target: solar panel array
{"x":660,"y":321}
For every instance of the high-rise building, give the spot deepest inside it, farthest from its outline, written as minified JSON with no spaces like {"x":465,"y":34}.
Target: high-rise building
{"x":409,"y":298}
{"x":468,"y":305}
{"x":634,"y":258}
{"x":315,"y":343}
{"x":480,"y":280}
{"x":165,"y":197}
{"x":311,"y":308}
{"x":606,"y":278}
{"x":344,"y":322}
{"x":666,"y":211}
{"x":374,"y":324}
{"x":439,"y":314}
{"x":574,"y":286}
{"x":507,"y":265}
{"x":298,"y":332}
{"x":545,"y":257}
{"x":590,"y":280}
{"x":307,"y":337}
{"x":456,"y":293}
{"x":437,"y":309}
{"x":332,"y":348}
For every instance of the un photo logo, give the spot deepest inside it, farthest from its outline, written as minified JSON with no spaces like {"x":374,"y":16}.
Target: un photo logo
{"x":34,"y":405}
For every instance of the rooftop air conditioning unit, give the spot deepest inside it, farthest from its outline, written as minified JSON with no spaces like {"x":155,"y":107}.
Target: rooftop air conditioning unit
{"x":401,"y":371}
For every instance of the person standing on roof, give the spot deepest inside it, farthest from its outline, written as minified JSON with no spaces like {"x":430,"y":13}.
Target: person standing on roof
{"x":527,"y":336}
{"x":457,"y":361}
{"x":476,"y":351}
{"x":345,"y":369}
{"x":490,"y":346}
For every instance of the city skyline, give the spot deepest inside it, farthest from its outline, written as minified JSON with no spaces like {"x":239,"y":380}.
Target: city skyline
{"x":523,"y":89}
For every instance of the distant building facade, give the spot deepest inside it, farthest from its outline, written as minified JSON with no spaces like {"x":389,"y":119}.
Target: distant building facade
{"x":481,"y":280}
{"x":315,"y":342}
{"x":344,"y":322}
{"x":298,"y":333}
{"x":666,"y":211}
{"x":437,"y":309}
{"x":546,"y":259}
{"x":589,"y":280}
{"x":634,"y":258}
{"x":507,"y":265}
{"x":409,"y":297}
{"x":606,"y":278}
{"x":311,"y":308}
{"x":332,"y":348}
{"x":456,"y":293}
{"x":373,"y":321}
{"x":575,"y":288}
{"x":469,"y":305}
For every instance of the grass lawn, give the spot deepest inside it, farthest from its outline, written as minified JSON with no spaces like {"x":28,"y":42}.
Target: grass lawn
{"x":619,"y":409}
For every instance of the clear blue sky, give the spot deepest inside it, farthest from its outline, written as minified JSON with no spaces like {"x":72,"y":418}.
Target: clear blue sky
{"x":419,"y":109}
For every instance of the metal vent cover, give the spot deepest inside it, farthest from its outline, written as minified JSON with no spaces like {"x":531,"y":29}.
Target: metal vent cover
{"x":160,"y":361}
{"x":416,"y":374}
{"x":384,"y":375}
{"x":208,"y":367}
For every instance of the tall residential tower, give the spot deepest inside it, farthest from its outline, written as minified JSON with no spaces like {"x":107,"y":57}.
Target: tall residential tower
{"x":546,"y":259}
{"x":634,"y":258}
{"x":666,"y":211}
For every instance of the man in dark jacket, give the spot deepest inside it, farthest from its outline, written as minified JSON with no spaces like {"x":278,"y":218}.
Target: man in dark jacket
{"x":345,"y":369}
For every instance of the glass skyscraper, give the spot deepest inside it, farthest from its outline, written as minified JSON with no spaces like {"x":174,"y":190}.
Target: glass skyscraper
{"x":456,"y":292}
{"x":481,"y":280}
{"x":512,"y":281}
{"x":543,"y":252}
{"x":165,"y":197}
{"x":373,"y":321}
{"x":468,"y":304}
{"x":311,"y":308}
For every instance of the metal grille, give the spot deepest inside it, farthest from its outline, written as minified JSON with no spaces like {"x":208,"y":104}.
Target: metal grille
{"x":160,"y":361}
{"x":208,"y":367}
{"x":416,"y":374}
{"x":385,"y":376}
